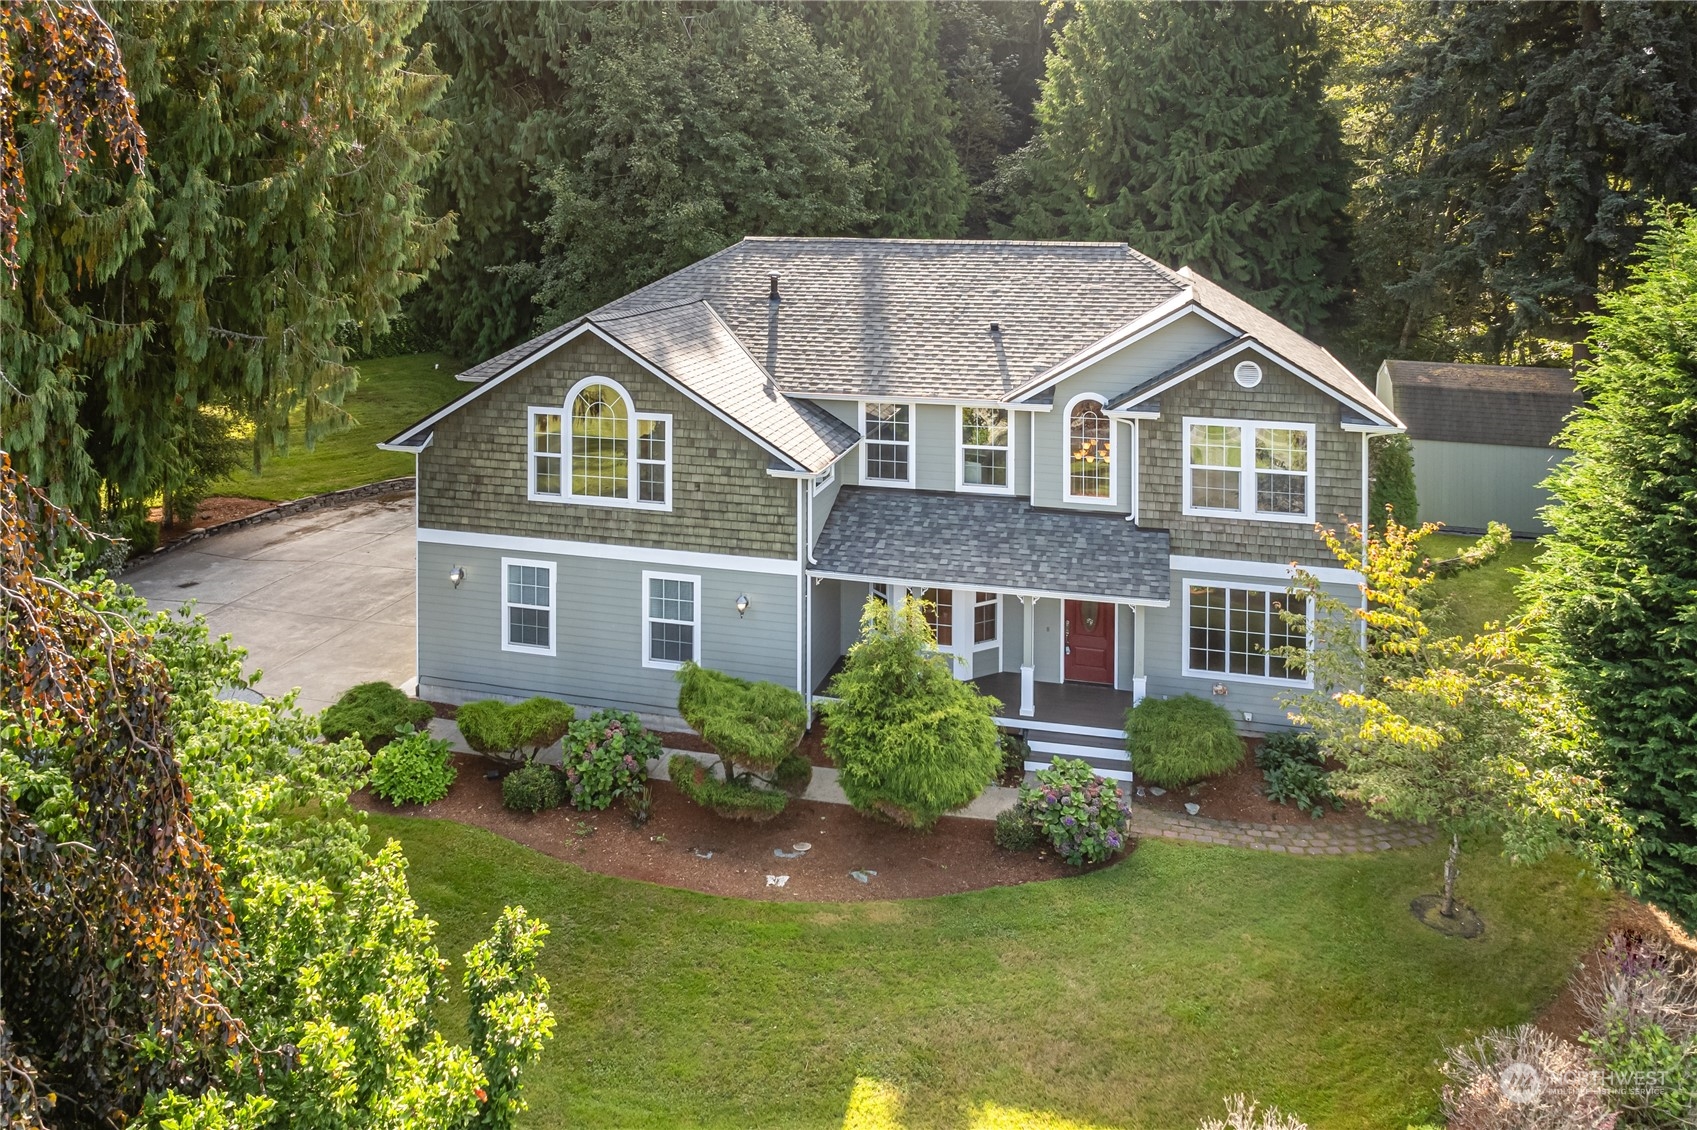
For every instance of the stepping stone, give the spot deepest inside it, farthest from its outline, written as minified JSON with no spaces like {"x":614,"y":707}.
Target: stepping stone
{"x":782,"y":854}
{"x":862,"y":876}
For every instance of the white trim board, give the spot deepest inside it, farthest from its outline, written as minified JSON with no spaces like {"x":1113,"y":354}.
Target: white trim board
{"x":1036,"y":594}
{"x":1263,"y":570}
{"x":675,"y":558}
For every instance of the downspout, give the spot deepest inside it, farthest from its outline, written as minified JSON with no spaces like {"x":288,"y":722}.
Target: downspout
{"x":1366,"y":528}
{"x":803,"y":621}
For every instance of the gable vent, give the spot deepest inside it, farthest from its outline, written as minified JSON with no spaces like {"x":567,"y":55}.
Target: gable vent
{"x":1247,"y":374}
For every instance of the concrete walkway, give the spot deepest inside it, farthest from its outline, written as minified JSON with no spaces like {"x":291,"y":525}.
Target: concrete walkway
{"x":320,"y":600}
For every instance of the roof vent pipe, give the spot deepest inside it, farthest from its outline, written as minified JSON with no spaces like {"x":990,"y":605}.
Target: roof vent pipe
{"x":772,"y":277}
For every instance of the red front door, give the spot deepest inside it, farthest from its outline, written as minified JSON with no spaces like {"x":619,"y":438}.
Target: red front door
{"x":1089,"y":642}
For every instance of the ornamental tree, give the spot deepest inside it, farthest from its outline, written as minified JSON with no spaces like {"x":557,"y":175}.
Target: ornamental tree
{"x":1465,"y":735}
{"x":1618,"y":583}
{"x":910,"y":741}
{"x":754,"y":725}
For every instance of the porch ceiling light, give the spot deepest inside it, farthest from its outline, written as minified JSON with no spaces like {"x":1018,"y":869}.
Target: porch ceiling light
{"x":742,"y":603}
{"x":456,"y":575}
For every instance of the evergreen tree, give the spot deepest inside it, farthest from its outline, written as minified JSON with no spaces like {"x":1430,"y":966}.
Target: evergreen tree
{"x":701,"y":129}
{"x":917,"y":187}
{"x":1619,"y":575}
{"x":282,"y":202}
{"x":1390,"y":463}
{"x":506,"y":102}
{"x":1200,"y":133}
{"x":1515,"y":155}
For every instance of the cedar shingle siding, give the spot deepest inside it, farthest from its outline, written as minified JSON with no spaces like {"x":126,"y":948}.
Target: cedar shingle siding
{"x":1280,"y":397}
{"x":475,"y":477}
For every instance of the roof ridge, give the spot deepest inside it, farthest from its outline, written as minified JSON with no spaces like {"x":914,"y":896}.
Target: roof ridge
{"x":963,"y":242}
{"x":640,"y":311}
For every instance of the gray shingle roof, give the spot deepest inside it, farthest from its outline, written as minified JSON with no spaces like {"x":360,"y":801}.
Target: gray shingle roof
{"x":1508,"y":405}
{"x":696,"y":349}
{"x":975,"y":541}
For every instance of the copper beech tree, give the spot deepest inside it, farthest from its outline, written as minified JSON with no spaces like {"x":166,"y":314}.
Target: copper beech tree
{"x":114,"y":940}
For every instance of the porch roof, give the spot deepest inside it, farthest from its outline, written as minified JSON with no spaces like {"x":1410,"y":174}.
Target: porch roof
{"x":986,"y":542}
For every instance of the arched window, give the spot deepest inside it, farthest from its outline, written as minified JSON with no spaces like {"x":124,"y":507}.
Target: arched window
{"x":1089,"y":451}
{"x":600,"y":443}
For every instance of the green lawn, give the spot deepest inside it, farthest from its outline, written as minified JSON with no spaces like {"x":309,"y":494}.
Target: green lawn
{"x":1133,"y":997}
{"x":1473,"y":598}
{"x":393,"y":392}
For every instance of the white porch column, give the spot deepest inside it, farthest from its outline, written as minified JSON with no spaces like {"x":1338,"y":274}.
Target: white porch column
{"x":1139,"y":681}
{"x":1028,"y":660}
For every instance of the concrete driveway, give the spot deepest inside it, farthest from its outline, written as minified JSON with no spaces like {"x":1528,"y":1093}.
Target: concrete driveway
{"x":321,"y":600}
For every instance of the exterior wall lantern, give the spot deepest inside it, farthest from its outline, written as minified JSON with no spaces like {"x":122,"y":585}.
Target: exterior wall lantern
{"x":456,"y":575}
{"x":742,"y":604}
{"x":1220,"y":689}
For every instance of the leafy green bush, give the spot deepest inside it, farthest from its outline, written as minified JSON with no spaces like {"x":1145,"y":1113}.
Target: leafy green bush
{"x":793,"y":774}
{"x":754,"y":726}
{"x":910,"y":740}
{"x":1016,"y":751}
{"x":1177,"y":741}
{"x":415,"y":768}
{"x":374,"y":713}
{"x":533,"y":788}
{"x":514,"y":731}
{"x":1295,"y":773}
{"x":1015,"y":830}
{"x":1084,"y":816}
{"x":607,"y":756}
{"x":737,"y":800}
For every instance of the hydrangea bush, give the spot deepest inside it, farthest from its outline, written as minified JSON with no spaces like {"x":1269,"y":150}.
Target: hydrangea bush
{"x":1084,"y":816}
{"x":607,"y":756}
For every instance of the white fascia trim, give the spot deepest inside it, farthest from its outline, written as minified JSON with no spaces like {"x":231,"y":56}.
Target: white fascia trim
{"x":648,"y":577}
{"x":1035,"y":594}
{"x":1174,"y":308}
{"x":1112,"y":500}
{"x":1247,"y":471}
{"x":1375,"y":429}
{"x":1263,"y":570}
{"x":1251,"y":342}
{"x":674,"y":558}
{"x":1122,"y":414}
{"x":407,"y":448}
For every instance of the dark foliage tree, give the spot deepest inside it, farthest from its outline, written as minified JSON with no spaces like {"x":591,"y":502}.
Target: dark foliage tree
{"x":1514,"y":152}
{"x":701,"y":130}
{"x":1201,"y":134}
{"x":1390,"y":463}
{"x":507,"y":105}
{"x":1619,"y":574}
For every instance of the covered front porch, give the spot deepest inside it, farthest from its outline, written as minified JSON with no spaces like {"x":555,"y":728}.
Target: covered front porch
{"x":1086,"y":706}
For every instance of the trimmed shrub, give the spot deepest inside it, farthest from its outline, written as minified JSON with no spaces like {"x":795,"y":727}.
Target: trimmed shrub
{"x":607,"y":756}
{"x":736,"y":800}
{"x":910,"y":741}
{"x":1084,"y":816}
{"x":1015,"y":830}
{"x":374,"y":713}
{"x":413,"y":769}
{"x":514,"y":731}
{"x":753,"y":727}
{"x":1295,"y":773}
{"x":1177,"y":741}
{"x":533,"y":788}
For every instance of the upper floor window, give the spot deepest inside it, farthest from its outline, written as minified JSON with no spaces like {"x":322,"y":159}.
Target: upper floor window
{"x":1244,"y":632}
{"x":600,"y":450}
{"x":1249,"y":469}
{"x":986,"y":449}
{"x":1090,"y":453}
{"x":887,"y":449}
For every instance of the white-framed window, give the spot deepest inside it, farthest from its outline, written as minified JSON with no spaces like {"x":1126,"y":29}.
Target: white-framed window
{"x":986,"y":619}
{"x":671,"y":620}
{"x":881,"y":590}
{"x":939,"y":609}
{"x":1234,"y":631}
{"x":886,"y":447}
{"x":824,"y":479}
{"x":527,"y":606}
{"x":985,"y":445}
{"x":1089,"y":474}
{"x":597,"y":449}
{"x":1249,"y":469}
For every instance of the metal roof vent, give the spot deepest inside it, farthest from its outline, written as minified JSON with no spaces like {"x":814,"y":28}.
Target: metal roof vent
{"x":1247,"y":374}
{"x":772,"y":277}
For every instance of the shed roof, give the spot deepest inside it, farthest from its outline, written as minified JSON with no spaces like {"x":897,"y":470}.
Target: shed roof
{"x":1505,"y":405}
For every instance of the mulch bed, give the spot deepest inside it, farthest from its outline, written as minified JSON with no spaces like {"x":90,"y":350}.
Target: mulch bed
{"x":958,"y":855}
{"x":1239,"y":795}
{"x":1562,"y":1016}
{"x":212,"y":512}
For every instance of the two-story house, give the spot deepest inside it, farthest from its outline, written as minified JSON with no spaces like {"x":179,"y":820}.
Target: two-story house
{"x":1099,"y":471}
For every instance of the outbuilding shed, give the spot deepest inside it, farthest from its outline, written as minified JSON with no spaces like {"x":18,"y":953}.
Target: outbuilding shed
{"x":1484,"y":438}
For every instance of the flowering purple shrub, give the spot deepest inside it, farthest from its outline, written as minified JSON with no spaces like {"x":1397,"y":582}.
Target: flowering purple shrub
{"x":1084,"y":816}
{"x":606,"y":758}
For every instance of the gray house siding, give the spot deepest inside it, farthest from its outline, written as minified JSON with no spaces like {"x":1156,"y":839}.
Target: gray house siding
{"x":598,"y":630}
{"x":1281,"y":396}
{"x":1470,"y":485}
{"x":935,"y":446}
{"x":475,"y":473}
